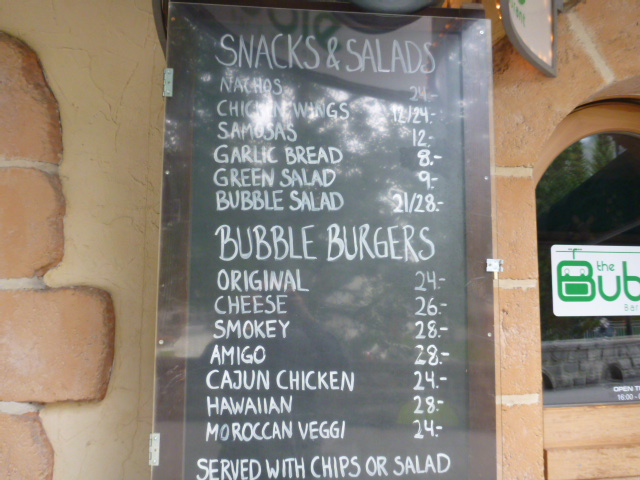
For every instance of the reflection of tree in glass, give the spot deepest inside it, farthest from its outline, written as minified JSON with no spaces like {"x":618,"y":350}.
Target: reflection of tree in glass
{"x":572,"y":168}
{"x":368,"y":306}
{"x":604,"y":150}
{"x":363,"y":179}
{"x":566,"y":172}
{"x":373,"y":304}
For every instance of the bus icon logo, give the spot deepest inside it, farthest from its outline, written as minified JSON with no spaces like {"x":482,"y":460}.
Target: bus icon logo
{"x":575,"y":281}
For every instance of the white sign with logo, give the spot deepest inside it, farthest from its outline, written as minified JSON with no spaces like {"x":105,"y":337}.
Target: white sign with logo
{"x":531,"y":27}
{"x":591,"y":281}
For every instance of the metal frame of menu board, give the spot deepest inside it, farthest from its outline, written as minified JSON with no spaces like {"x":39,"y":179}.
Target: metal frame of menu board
{"x":337,"y":317}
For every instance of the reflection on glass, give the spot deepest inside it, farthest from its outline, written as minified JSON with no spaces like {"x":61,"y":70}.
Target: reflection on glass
{"x":327,"y":284}
{"x":590,"y":195}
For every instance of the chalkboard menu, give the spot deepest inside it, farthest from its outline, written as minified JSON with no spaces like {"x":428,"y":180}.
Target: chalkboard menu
{"x":325,"y":310}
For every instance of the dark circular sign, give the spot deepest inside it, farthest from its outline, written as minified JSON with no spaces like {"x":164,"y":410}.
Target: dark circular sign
{"x":395,"y":6}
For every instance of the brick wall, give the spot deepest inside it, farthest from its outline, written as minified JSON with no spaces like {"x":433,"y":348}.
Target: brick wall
{"x":56,"y":344}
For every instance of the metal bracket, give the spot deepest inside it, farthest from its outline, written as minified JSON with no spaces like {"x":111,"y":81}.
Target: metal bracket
{"x":154,"y":449}
{"x":495,"y":265}
{"x":168,"y":83}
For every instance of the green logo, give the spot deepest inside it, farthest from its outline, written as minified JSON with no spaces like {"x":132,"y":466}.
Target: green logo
{"x":576,"y":282}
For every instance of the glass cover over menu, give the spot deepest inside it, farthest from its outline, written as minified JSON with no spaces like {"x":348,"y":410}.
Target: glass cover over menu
{"x":325,"y":310}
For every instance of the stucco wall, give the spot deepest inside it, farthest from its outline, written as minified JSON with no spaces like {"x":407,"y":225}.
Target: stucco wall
{"x":104,"y":64}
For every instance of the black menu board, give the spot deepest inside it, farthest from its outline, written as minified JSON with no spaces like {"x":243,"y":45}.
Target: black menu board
{"x":325,"y":310}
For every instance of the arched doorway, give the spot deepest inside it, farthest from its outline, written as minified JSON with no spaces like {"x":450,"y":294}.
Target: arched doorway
{"x":586,"y":193}
{"x":589,"y":199}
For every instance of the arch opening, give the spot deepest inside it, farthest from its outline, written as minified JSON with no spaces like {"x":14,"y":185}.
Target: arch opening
{"x":588,"y":209}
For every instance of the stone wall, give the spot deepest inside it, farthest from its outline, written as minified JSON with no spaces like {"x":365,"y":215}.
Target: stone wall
{"x":56,"y":344}
{"x":103,"y":62}
{"x":574,"y":363}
